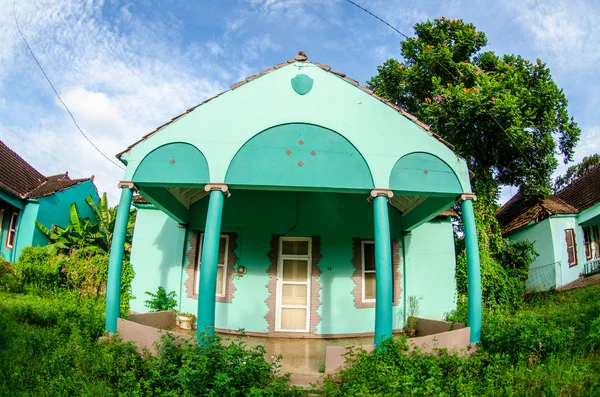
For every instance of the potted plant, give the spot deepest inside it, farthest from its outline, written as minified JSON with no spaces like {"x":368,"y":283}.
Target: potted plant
{"x":186,"y":320}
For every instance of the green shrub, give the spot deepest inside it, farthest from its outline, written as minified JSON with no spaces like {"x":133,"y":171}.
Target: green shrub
{"x":37,"y":270}
{"x":42,"y":272}
{"x":49,"y":347}
{"x":500,"y":288}
{"x":8,"y":278}
{"x":161,"y":300}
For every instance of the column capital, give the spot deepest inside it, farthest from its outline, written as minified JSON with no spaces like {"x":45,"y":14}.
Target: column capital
{"x":218,"y":186}
{"x":127,"y":184}
{"x":380,"y":192}
{"x":466,"y":196}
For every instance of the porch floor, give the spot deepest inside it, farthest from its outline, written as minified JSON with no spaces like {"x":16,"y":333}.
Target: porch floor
{"x":581,"y":282}
{"x":301,"y":356}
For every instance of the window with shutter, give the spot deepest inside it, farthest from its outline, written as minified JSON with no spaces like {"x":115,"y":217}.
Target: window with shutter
{"x":221,"y":265}
{"x":596,"y":241}
{"x":587,"y":242}
{"x":571,"y":247}
{"x":368,"y":271}
{"x":12,"y":230}
{"x":1,"y":221}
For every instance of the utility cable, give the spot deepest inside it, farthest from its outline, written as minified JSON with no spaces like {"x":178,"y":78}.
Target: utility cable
{"x":56,"y":92}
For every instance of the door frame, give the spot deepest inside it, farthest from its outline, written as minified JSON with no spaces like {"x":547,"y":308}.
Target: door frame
{"x":280,"y":258}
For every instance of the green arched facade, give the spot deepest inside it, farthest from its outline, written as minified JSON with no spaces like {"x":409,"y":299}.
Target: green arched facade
{"x":173,"y":164}
{"x":300,"y":155}
{"x":421,"y":173}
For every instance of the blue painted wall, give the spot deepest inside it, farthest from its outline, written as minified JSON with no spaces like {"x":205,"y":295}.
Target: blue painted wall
{"x":54,"y":209}
{"x":159,"y":250}
{"x":48,"y":210}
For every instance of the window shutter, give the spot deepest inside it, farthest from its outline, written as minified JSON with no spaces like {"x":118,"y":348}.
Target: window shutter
{"x":587,"y":242}
{"x":596,"y":241}
{"x":370,"y":285}
{"x":571,"y":247}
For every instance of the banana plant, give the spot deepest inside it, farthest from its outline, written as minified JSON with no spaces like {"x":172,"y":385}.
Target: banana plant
{"x":105,"y":215}
{"x":80,"y":234}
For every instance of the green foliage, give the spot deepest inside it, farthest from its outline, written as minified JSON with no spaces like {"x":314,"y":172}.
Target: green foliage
{"x":501,"y":289}
{"x":549,"y":324}
{"x":466,"y":95}
{"x":37,"y":270}
{"x":502,"y":278}
{"x":104,"y":215}
{"x":49,"y":347}
{"x":161,"y":300}
{"x":80,"y":234}
{"x":8,"y":278}
{"x":576,"y":171}
{"x":548,"y":348}
{"x":503,"y":114}
{"x":413,"y":312}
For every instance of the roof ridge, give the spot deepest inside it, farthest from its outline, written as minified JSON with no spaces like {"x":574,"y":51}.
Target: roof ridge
{"x":300,"y":57}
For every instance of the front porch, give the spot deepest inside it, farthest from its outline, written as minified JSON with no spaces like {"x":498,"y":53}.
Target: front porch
{"x":305,"y":358}
{"x":325,"y":240}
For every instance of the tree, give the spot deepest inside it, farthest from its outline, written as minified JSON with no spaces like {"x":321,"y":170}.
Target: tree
{"x":576,"y":171}
{"x":504,"y":114}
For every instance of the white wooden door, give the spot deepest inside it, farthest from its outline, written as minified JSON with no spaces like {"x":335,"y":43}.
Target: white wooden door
{"x":293,"y":284}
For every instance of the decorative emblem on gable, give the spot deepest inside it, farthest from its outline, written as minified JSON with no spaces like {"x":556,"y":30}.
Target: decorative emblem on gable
{"x":302,"y":84}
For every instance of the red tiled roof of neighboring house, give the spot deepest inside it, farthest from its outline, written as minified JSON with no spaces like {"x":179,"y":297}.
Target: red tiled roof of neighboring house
{"x":518,"y":212}
{"x":137,"y":199}
{"x":53,"y":185}
{"x":583,"y":192}
{"x":16,"y":175}
{"x":22,"y":180}
{"x":301,"y":57}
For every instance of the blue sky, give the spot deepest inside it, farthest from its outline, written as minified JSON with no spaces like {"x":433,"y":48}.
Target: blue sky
{"x":126,"y":67}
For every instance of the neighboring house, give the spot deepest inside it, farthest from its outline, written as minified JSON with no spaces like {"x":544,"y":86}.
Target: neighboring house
{"x":297,"y":250}
{"x":564,"y":229}
{"x":26,"y":196}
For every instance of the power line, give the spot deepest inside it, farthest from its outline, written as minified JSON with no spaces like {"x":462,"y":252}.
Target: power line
{"x":56,"y":92}
{"x":375,"y":16}
{"x":449,"y":72}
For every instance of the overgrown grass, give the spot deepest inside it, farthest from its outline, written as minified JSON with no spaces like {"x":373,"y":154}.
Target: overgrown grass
{"x":49,"y":347}
{"x":548,"y":348}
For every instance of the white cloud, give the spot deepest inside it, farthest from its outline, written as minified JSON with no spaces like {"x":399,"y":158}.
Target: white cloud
{"x":255,"y":47}
{"x":564,"y":32}
{"x":215,"y":48}
{"x":302,"y":12}
{"x":118,"y":85}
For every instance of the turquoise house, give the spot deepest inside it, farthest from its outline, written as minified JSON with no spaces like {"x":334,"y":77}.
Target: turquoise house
{"x":564,"y":229}
{"x":296,"y":204}
{"x":26,"y":196}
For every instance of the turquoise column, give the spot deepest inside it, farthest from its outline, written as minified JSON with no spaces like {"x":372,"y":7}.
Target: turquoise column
{"x":207,"y":289}
{"x":473,"y":269}
{"x":383,"y":268}
{"x":115,"y":264}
